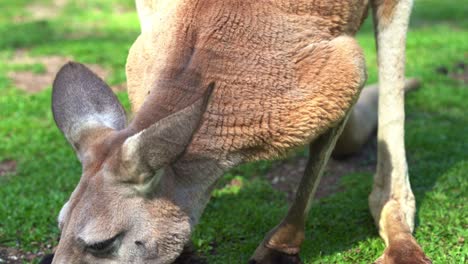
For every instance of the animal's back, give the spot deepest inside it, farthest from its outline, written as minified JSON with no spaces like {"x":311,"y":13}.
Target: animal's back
{"x":284,"y":71}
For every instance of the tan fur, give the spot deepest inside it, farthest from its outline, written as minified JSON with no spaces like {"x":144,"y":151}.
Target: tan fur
{"x":385,"y":10}
{"x":295,"y":74}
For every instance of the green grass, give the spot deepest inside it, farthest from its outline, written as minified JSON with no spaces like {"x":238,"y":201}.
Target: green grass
{"x":340,"y":228}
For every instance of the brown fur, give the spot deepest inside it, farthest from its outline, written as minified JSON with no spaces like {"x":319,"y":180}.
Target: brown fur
{"x":403,"y":250}
{"x":313,"y":75}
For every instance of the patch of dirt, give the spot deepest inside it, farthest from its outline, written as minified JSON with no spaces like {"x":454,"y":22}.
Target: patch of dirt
{"x":119,"y":87}
{"x":41,"y":11}
{"x":459,"y":71}
{"x":7,"y":167}
{"x":32,"y":82}
{"x":286,"y":175}
{"x":190,"y":256}
{"x":15,"y":256}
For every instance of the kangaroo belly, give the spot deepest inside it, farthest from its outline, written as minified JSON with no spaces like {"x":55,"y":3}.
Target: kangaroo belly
{"x":282,"y":76}
{"x":262,"y":110}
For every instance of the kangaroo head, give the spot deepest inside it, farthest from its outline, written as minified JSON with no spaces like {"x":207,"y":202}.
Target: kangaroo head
{"x":131,"y":204}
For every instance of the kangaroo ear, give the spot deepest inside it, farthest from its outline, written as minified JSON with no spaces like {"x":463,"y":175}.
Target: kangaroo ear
{"x":143,"y":154}
{"x":83,"y":105}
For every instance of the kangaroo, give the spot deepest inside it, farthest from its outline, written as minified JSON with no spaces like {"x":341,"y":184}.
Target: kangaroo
{"x":213,"y":84}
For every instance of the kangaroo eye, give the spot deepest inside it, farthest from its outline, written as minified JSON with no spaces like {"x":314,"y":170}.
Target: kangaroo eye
{"x":104,"y":248}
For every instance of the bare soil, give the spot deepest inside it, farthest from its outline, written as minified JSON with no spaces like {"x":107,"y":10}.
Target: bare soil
{"x":7,"y":167}
{"x":458,"y":71}
{"x":190,"y":256}
{"x":286,"y":175}
{"x":41,"y":11}
{"x":32,"y":82}
{"x":14,"y":256}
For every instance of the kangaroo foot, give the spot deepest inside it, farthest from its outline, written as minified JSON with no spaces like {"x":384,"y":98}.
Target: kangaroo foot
{"x":264,"y":255}
{"x":403,"y":251}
